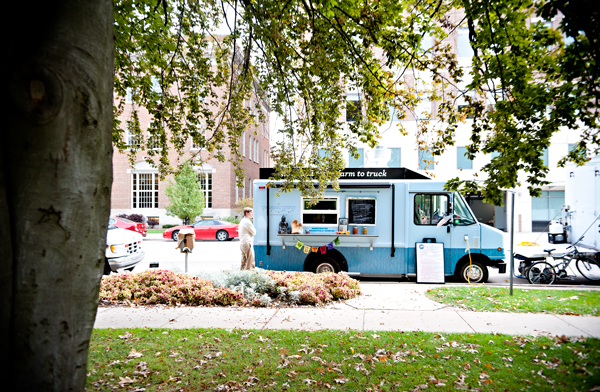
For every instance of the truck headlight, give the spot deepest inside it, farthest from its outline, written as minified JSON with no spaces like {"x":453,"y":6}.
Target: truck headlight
{"x":113,"y":248}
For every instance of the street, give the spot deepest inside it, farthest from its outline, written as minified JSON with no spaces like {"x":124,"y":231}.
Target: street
{"x":214,"y":256}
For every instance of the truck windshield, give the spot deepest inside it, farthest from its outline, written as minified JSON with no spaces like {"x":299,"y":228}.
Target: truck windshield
{"x":462,"y":213}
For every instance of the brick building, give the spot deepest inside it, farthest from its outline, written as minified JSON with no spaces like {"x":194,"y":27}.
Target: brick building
{"x":138,"y":189}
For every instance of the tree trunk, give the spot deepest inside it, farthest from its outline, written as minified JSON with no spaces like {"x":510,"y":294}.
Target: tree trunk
{"x":55,"y":180}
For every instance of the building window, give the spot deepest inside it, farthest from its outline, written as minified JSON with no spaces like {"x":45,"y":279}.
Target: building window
{"x":464,"y":48}
{"x":545,"y":156}
{"x":427,"y":45}
{"x":206,"y":184}
{"x":256,"y":147}
{"x":423,"y":108}
{"x":249,"y":187}
{"x":426,"y":160}
{"x":243,"y":143}
{"x":353,"y":108}
{"x":250,"y":147}
{"x":323,"y":153}
{"x":394,"y":113}
{"x":395,"y":156}
{"x":430,"y":209}
{"x":360,"y":161}
{"x":145,"y":190}
{"x":546,"y":208}
{"x":325,"y":212}
{"x":462,"y":161}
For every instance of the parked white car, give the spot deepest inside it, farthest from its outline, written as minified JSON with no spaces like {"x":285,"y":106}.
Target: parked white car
{"x":123,"y":249}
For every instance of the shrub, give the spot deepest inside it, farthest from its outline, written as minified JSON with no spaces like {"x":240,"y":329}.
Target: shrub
{"x":133,"y":217}
{"x":168,"y":226}
{"x":255,"y":288}
{"x":241,"y":203}
{"x":231,"y":219}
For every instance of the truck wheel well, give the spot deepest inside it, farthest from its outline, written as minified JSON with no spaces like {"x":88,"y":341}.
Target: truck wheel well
{"x":313,"y":257}
{"x":483,"y":259}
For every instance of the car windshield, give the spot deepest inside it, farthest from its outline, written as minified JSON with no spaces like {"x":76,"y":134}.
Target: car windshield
{"x":112,"y":227}
{"x":127,"y":220}
{"x":462,"y":212}
{"x":220,"y":222}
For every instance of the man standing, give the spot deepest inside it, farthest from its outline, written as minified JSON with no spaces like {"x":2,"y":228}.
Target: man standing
{"x":247,"y":232}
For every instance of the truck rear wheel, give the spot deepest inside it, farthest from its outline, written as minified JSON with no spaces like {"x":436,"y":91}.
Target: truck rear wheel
{"x":326,"y":264}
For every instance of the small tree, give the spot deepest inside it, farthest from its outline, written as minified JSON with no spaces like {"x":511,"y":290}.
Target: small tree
{"x":241,"y":203}
{"x":185,"y":195}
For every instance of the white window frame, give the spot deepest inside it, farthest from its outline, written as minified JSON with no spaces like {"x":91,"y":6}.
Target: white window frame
{"x":203,"y":176}
{"x":244,"y":143}
{"x":337,"y":212}
{"x":154,"y":191}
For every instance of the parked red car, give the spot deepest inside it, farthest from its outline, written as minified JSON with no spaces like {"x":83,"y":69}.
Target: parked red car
{"x":127,"y":224}
{"x":207,"y":229}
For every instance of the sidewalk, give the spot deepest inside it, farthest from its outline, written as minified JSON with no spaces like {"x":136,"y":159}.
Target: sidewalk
{"x":382,"y":307}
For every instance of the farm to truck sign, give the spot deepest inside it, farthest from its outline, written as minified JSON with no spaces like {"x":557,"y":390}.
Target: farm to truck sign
{"x":367,"y":173}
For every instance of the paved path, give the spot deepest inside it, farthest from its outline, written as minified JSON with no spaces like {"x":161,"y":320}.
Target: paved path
{"x":382,"y":307}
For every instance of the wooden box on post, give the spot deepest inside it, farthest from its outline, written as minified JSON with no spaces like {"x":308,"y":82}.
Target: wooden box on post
{"x":185,"y":240}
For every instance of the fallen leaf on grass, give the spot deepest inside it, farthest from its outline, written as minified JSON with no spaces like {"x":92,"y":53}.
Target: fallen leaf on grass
{"x":126,"y":380}
{"x":134,"y":353}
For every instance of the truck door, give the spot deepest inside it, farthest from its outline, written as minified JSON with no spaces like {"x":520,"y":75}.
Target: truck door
{"x":427,"y":210}
{"x":464,"y":226}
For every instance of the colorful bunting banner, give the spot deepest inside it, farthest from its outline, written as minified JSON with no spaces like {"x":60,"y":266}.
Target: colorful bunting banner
{"x":323,"y":249}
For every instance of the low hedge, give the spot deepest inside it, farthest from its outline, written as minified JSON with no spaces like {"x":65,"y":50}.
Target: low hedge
{"x":243,"y":288}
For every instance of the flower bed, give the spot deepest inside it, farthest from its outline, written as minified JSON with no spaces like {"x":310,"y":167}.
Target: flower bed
{"x":242,"y":288}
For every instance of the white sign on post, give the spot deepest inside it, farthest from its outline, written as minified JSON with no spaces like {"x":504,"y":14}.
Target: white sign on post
{"x":430,"y":262}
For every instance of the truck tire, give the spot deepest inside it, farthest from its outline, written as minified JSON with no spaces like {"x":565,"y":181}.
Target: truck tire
{"x":474,"y":272}
{"x":326,"y":264}
{"x":333,"y":257}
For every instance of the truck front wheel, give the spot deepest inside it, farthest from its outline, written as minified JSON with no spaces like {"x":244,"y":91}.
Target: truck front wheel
{"x":475,"y":272}
{"x":326,"y":264}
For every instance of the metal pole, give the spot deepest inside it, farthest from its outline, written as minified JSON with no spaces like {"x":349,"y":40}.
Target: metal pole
{"x":186,"y":265}
{"x":512,"y":240}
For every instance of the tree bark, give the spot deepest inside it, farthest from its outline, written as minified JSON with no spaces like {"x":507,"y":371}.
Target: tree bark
{"x":55,"y":180}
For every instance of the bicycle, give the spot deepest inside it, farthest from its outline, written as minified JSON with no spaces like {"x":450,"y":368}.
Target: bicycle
{"x":543,"y":272}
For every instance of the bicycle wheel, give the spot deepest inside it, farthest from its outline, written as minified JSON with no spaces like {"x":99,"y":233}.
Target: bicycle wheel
{"x":588,"y":268}
{"x":541,"y":273}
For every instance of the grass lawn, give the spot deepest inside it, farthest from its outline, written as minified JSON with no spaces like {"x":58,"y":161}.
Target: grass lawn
{"x":498,"y":299}
{"x":155,"y":231}
{"x":274,"y":360}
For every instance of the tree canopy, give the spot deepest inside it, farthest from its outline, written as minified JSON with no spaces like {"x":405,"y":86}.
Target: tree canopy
{"x":302,"y":57}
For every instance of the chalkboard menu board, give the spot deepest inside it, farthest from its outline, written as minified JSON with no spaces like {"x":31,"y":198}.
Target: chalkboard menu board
{"x":361,"y":210}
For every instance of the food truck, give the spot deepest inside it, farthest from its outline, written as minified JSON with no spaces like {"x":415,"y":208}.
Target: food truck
{"x":381,"y":222}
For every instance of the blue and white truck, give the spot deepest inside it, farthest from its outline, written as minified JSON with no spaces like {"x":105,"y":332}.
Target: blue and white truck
{"x":392,"y":209}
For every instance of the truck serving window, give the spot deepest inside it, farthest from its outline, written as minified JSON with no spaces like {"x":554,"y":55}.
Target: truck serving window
{"x":325,"y":212}
{"x":462,"y":213}
{"x":430,"y":208}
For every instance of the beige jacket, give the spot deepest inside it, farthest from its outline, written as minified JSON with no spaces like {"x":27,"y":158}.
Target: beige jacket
{"x":247,"y":231}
